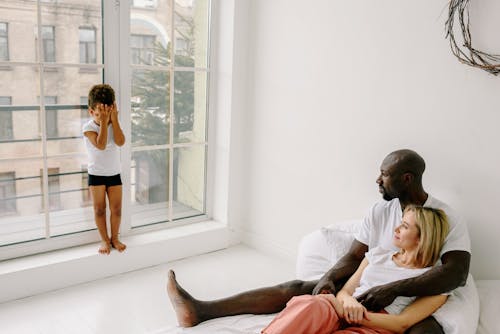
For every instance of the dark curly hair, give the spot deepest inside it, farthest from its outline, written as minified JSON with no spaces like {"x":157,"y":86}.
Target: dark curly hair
{"x":102,"y":93}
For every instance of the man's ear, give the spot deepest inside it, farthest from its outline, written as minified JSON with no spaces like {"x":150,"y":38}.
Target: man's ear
{"x":408,"y":178}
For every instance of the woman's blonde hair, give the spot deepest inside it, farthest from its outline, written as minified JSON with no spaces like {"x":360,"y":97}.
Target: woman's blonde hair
{"x":433,"y":227}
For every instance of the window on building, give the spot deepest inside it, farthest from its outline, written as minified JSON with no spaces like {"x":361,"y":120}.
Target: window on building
{"x":144,"y":3}
{"x":87,"y":45}
{"x":7,"y":193}
{"x":6,"y":126}
{"x":54,"y":190}
{"x":49,"y":43}
{"x":4,"y":41}
{"x":51,"y":116}
{"x":142,"y":49}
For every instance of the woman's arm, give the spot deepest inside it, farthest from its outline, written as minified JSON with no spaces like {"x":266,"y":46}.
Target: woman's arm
{"x":417,"y":311}
{"x":353,"y":310}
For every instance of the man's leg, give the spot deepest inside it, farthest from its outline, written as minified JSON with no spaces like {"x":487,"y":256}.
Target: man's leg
{"x":191,"y":311}
{"x":427,"y":326}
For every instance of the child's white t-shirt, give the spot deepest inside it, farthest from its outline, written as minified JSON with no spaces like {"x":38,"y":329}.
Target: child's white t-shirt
{"x":102,"y":162}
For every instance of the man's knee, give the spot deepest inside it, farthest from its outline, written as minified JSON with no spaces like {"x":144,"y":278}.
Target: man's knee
{"x":426,"y":326}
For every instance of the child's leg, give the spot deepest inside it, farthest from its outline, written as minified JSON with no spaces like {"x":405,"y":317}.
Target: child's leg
{"x":99,"y":201}
{"x":115,"y":206}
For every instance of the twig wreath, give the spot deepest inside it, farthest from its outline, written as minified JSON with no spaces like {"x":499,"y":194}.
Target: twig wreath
{"x":466,"y":53}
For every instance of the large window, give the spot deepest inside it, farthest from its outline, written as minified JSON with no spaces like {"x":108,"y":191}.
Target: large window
{"x":4,"y":41}
{"x":161,"y":89}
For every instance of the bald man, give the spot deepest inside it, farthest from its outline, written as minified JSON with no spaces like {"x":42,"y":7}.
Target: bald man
{"x":400,"y":183}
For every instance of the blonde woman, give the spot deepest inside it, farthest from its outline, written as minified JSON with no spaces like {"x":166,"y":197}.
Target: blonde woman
{"x":420,"y":237}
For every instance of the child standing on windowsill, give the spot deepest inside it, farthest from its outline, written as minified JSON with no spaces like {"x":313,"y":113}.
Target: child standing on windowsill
{"x":103,"y":137}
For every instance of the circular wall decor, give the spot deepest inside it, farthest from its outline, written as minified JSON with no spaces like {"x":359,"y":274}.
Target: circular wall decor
{"x":466,"y":53}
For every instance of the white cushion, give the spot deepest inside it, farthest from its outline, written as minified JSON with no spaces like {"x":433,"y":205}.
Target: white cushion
{"x":320,"y":250}
{"x":489,"y":296}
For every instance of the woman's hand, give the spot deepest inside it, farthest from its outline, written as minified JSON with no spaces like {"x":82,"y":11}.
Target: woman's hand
{"x":353,"y":310}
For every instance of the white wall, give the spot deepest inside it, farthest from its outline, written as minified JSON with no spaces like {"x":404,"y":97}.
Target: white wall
{"x":325,"y":89}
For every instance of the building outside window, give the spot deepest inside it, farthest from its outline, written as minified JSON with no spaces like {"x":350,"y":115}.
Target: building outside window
{"x":87,"y":45}
{"x":4,"y":41}
{"x":6,"y":126}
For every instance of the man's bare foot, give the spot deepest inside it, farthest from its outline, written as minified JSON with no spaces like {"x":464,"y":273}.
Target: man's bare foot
{"x":118,"y":245}
{"x":183,"y":303}
{"x":105,"y":247}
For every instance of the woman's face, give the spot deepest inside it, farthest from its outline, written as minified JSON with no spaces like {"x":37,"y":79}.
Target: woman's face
{"x":406,"y":235}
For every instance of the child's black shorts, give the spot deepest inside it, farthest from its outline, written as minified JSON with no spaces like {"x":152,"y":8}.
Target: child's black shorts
{"x":108,"y":181}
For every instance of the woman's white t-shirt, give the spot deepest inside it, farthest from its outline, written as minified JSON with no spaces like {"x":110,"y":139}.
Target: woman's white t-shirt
{"x":102,"y":162}
{"x":381,"y":269}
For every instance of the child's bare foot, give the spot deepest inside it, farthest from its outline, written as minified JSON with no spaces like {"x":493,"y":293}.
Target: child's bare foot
{"x":105,"y":247}
{"x":118,"y":245}
{"x":183,"y":303}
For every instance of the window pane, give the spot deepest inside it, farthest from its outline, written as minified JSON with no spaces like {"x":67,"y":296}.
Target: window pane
{"x":21,"y":84}
{"x":19,"y":30}
{"x":70,"y":206}
{"x":149,"y":32}
{"x":21,"y":197}
{"x":149,"y":187}
{"x":64,"y":115}
{"x":190,"y":106}
{"x":191,"y":32}
{"x":77,"y":30}
{"x":189,"y":182}
{"x":150,"y":105}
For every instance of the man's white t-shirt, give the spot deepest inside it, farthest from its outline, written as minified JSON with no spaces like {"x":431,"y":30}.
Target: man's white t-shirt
{"x":377,"y":229}
{"x":382,"y":269}
{"x":102,"y":162}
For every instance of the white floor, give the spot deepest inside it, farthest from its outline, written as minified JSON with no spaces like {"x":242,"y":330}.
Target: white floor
{"x":136,"y":302}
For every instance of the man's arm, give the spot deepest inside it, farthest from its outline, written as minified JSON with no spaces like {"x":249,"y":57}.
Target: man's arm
{"x":342,"y":270}
{"x":440,"y":279}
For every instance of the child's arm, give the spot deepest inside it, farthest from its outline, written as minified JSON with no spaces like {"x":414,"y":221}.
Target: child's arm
{"x":420,"y":309}
{"x":118,"y":135}
{"x":100,"y":139}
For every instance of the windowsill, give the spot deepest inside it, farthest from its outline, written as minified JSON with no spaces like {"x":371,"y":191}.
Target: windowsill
{"x":76,"y":265}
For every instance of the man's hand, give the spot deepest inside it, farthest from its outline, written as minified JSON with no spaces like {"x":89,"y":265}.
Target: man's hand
{"x":378,"y":297}
{"x":325,"y":285}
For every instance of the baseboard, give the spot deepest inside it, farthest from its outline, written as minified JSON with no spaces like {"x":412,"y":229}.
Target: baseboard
{"x":41,"y":273}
